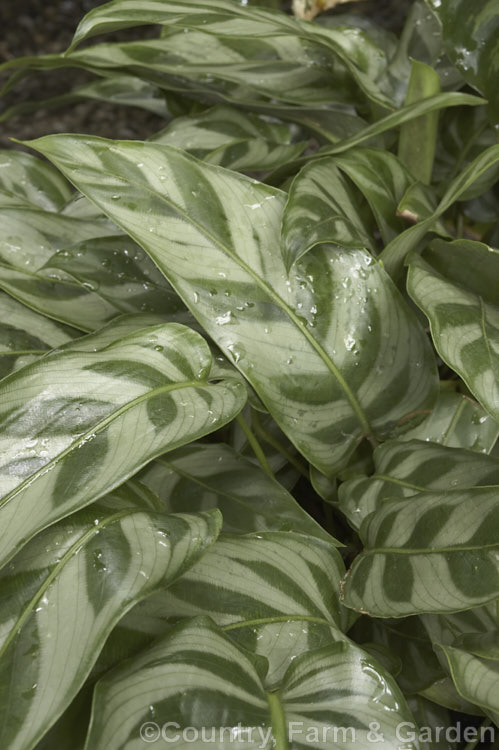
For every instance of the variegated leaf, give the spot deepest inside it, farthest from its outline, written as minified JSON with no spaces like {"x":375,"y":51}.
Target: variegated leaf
{"x":485,"y":165}
{"x":456,"y":284}
{"x":274,"y":593}
{"x":26,"y":181}
{"x":332,"y":349}
{"x":196,"y":677}
{"x":468,"y":645}
{"x":25,"y":335}
{"x":62,"y":595}
{"x":404,"y":469}
{"x":364,"y":60}
{"x":29,"y":239}
{"x":232,"y":139}
{"x":118,"y":272}
{"x":458,"y":422}
{"x":80,"y":421}
{"x":436,"y":553}
{"x":201,"y":476}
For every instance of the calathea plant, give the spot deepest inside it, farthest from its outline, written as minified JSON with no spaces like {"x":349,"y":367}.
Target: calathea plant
{"x":250,"y":387}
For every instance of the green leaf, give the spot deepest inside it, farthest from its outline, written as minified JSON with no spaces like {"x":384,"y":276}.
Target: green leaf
{"x":468,"y":645}
{"x":403,"y":469}
{"x":196,"y":677}
{"x":456,"y":284}
{"x":274,"y":593}
{"x":394,"y":255}
{"x":332,"y":349}
{"x":200,"y":476}
{"x":418,"y":138}
{"x":118,"y":272}
{"x":228,"y":138}
{"x":223,"y":20}
{"x":62,"y":595}
{"x":78,"y":422}
{"x":436,"y":553}
{"x":322,"y":207}
{"x":26,"y":181}
{"x":25,"y":335}
{"x":406,"y":641}
{"x":29,"y":239}
{"x":458,"y":422}
{"x":470,"y":39}
{"x":431,"y":719}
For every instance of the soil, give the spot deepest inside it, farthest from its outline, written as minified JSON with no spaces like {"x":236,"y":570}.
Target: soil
{"x":33,"y":27}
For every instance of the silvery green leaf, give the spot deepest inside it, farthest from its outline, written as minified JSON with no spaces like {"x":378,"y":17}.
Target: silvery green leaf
{"x":407,"y":468}
{"x":78,"y":422}
{"x":201,"y":476}
{"x":274,"y":593}
{"x":458,"y":422}
{"x":232,"y":139}
{"x":435,"y":553}
{"x":25,"y":335}
{"x":118,"y":272}
{"x":195,"y":676}
{"x":330,"y":348}
{"x":62,"y":595}
{"x":26,"y":181}
{"x":455,"y":284}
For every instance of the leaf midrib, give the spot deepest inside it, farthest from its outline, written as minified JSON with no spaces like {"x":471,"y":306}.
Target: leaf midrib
{"x":351,"y":398}
{"x":98,"y":428}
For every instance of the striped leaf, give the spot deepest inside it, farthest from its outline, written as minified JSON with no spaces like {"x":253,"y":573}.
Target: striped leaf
{"x":470,"y":39}
{"x":408,"y":643}
{"x":364,"y":60}
{"x":436,"y":553}
{"x":118,"y":272}
{"x":405,"y":469}
{"x":323,"y":207}
{"x":26,"y":181}
{"x":196,"y":677}
{"x":484,"y":166}
{"x":29,"y":239}
{"x":332,"y":349}
{"x":428,"y":714}
{"x":232,"y":139}
{"x":62,"y":595}
{"x":275,"y":593}
{"x":458,"y":422}
{"x":25,"y":335}
{"x":455,"y":284}
{"x":468,"y":645}
{"x":80,"y":421}
{"x":201,"y":476}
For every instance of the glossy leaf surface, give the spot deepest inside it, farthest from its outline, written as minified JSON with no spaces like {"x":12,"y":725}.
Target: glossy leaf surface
{"x":336,"y":371}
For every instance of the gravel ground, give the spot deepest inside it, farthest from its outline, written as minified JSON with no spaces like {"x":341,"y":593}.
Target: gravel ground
{"x":32,"y":27}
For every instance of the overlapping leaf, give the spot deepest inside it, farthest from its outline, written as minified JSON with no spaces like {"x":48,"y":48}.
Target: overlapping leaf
{"x":456,"y":284}
{"x":25,"y":335}
{"x":30,"y":182}
{"x":196,"y":677}
{"x":232,"y":139}
{"x":436,"y":552}
{"x":403,"y":469}
{"x":274,"y":593}
{"x":323,"y":346}
{"x":470,"y":39}
{"x":78,"y":422}
{"x":62,"y":595}
{"x":468,"y":645}
{"x":202,"y":476}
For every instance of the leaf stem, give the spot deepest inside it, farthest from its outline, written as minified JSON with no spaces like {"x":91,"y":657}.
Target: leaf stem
{"x":277,"y":444}
{"x":257,"y":448}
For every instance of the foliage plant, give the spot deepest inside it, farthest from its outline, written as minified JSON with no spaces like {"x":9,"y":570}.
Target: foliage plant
{"x":250,"y":386}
